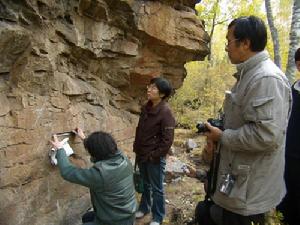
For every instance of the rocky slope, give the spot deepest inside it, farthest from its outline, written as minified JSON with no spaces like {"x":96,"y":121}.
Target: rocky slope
{"x":67,"y":63}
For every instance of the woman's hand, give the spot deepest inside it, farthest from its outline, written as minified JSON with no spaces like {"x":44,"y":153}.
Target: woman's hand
{"x":190,"y":171}
{"x":78,"y":131}
{"x":208,"y":151}
{"x":56,"y":143}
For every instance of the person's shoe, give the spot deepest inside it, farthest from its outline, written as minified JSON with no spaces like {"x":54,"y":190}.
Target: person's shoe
{"x":139,"y":214}
{"x":154,"y":223}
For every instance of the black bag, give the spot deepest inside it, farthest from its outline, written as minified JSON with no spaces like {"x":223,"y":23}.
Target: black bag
{"x":202,"y":213}
{"x":138,"y":180}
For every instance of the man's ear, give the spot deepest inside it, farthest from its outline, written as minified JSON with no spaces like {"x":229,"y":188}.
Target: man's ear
{"x":246,"y":44}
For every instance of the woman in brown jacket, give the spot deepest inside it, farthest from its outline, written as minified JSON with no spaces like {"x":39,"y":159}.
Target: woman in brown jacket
{"x":154,"y":137}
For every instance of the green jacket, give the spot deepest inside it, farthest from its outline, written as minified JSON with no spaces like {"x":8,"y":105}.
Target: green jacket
{"x":111,"y":186}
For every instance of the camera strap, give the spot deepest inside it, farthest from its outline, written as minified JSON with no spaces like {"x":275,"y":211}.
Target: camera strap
{"x":213,"y":173}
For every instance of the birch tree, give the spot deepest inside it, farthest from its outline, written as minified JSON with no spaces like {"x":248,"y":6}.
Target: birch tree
{"x":294,"y":41}
{"x":274,"y":33}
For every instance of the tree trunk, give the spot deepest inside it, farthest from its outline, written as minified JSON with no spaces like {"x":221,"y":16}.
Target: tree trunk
{"x":212,"y":30}
{"x":294,"y":41}
{"x":274,"y":33}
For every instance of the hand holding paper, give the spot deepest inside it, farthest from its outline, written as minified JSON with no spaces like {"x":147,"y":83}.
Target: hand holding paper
{"x":57,"y":145}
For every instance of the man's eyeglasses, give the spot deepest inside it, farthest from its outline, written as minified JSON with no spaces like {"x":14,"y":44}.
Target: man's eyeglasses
{"x":151,"y":87}
{"x":229,"y":42}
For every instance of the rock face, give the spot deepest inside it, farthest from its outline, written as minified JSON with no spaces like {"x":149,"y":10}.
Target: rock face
{"x":68,"y":63}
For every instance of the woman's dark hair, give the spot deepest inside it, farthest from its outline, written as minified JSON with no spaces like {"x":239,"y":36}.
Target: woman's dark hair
{"x":251,"y":28}
{"x":297,"y":55}
{"x":100,"y":145}
{"x":163,"y":86}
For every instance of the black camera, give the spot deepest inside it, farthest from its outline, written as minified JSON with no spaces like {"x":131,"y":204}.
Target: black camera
{"x":201,"y":128}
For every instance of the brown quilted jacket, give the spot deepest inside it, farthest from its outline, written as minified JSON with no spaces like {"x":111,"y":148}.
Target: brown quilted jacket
{"x":154,"y":133}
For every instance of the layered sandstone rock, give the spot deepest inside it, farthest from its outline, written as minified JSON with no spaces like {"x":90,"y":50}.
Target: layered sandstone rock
{"x":84,"y":63}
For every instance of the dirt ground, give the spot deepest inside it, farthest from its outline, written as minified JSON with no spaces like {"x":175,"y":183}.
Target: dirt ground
{"x":182,"y":192}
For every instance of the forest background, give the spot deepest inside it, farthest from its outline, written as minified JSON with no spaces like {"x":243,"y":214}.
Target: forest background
{"x":202,"y":93}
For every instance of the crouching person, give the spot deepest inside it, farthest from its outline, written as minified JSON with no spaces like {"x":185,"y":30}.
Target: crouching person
{"x":110,"y":179}
{"x":202,"y":210}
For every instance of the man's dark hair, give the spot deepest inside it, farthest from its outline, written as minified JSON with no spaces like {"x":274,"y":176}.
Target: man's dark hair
{"x":297,"y":55}
{"x":251,"y":28}
{"x":100,"y":145}
{"x":163,"y":86}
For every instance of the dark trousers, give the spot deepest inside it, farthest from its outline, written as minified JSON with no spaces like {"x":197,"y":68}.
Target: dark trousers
{"x":88,"y":217}
{"x":207,"y":213}
{"x":290,"y":205}
{"x":153,"y":196}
